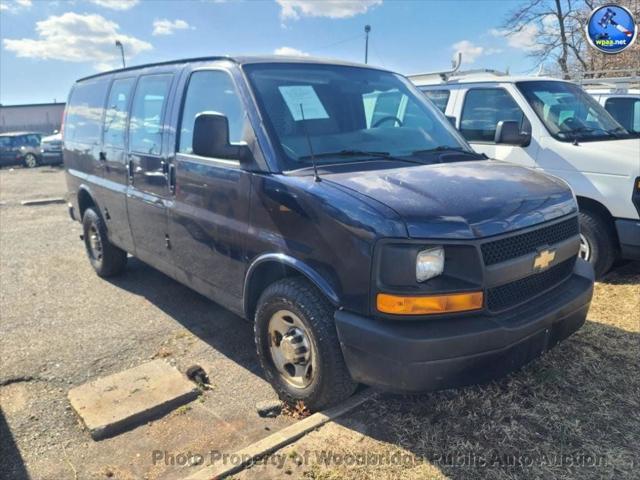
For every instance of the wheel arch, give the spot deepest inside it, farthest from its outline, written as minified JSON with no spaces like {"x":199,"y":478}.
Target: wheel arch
{"x":85,"y":200}
{"x":271,"y":267}
{"x":591,"y":205}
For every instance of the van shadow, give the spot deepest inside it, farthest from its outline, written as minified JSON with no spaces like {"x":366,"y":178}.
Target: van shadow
{"x":224,"y":331}
{"x":571,"y":414}
{"x":11,"y":463}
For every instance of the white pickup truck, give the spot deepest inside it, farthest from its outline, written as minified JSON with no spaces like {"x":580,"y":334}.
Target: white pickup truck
{"x":555,"y":126}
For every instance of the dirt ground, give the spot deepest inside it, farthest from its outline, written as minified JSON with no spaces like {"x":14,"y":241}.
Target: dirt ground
{"x":61,"y":325}
{"x":572,"y":414}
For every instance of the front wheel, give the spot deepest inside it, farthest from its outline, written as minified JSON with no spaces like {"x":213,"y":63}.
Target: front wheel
{"x":106,"y":259}
{"x":597,"y":243}
{"x":298,"y":345}
{"x":30,"y":160}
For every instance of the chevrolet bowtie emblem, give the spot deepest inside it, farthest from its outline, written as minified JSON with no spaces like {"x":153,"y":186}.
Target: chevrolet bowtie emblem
{"x":543,"y":259}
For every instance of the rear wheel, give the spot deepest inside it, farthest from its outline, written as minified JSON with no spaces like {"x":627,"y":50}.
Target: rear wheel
{"x":298,"y":345}
{"x":30,"y":160}
{"x":597,"y":242}
{"x":106,"y":259}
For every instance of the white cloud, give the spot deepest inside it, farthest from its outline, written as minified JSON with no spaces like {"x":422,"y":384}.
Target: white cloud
{"x":73,"y":37}
{"x":116,"y":4}
{"x":167,"y":27}
{"x":470,"y":51}
{"x":523,"y":39}
{"x":294,"y":9}
{"x":13,"y":6}
{"x":290,"y":51}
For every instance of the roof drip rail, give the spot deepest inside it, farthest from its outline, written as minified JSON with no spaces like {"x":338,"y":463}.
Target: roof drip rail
{"x":444,"y":75}
{"x":455,"y":72}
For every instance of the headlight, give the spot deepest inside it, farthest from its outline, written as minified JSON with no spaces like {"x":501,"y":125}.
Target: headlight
{"x":429,"y":263}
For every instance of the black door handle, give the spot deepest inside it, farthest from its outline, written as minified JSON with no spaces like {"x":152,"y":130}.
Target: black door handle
{"x":102,"y":156}
{"x":172,"y":178}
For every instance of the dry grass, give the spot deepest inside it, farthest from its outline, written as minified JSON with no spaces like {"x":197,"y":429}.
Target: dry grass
{"x":572,"y":414}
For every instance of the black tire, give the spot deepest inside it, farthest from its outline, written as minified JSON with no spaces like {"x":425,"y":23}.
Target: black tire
{"x":30,"y":160}
{"x":111,"y":260}
{"x":331,"y":382}
{"x":600,"y":240}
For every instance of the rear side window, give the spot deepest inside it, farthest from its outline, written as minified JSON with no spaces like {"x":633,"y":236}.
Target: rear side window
{"x":116,"y":114}
{"x":483,"y":109}
{"x":84,"y":112}
{"x":210,"y":91}
{"x":5,"y":142}
{"x":439,"y":98}
{"x":626,"y":111}
{"x":27,"y":141}
{"x":149,"y":102}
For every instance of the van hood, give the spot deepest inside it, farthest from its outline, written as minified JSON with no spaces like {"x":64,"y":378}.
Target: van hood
{"x":463,"y":200}
{"x":612,"y":157}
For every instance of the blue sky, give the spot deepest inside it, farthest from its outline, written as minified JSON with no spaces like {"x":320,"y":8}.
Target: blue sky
{"x":46,"y":45}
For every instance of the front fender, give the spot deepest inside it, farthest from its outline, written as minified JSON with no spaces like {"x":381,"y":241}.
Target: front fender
{"x":293,"y":263}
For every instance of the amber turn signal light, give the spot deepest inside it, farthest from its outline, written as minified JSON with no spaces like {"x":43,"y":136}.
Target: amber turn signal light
{"x":424,"y":305}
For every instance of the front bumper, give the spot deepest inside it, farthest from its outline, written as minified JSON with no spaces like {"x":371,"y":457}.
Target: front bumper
{"x":51,"y":158}
{"x":629,"y":237}
{"x":412,"y":356}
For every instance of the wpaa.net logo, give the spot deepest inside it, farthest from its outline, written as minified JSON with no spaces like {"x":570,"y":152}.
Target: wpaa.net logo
{"x":611,"y":28}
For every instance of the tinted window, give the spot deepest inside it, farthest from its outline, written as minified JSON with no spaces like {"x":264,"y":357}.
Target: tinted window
{"x":84,"y":112}
{"x":483,"y":109}
{"x":626,"y":110}
{"x":210,"y":91}
{"x":116,"y":115}
{"x":32,"y":140}
{"x":5,"y":142}
{"x":439,"y":98}
{"x":145,"y":129}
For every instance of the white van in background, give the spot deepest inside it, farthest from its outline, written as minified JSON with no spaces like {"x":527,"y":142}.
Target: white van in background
{"x":620,"y":96}
{"x":553,"y":125}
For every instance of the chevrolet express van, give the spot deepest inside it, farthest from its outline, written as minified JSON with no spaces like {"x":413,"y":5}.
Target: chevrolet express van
{"x":554,"y":126}
{"x":335,"y":208}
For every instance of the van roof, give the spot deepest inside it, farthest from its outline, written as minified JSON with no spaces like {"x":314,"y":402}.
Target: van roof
{"x":240,"y":60}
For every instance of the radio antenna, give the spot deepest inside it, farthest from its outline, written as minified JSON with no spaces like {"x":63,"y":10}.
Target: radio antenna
{"x":306,"y":133}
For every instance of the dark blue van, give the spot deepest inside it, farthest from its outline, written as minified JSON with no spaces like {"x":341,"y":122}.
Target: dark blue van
{"x":336,"y":208}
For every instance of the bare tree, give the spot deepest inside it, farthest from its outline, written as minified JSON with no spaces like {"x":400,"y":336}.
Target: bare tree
{"x":560,"y":41}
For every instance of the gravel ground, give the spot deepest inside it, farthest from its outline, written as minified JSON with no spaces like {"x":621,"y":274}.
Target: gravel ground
{"x":61,"y":325}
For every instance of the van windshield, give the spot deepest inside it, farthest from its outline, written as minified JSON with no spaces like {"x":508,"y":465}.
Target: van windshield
{"x":569,"y":113}
{"x":349,"y":114}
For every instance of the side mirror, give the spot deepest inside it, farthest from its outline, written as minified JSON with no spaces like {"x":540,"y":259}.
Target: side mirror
{"x":211,"y":138}
{"x":509,"y":133}
{"x":452,"y":120}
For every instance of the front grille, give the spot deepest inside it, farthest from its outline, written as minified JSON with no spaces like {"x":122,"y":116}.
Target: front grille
{"x":529,"y":242}
{"x":510,"y":294}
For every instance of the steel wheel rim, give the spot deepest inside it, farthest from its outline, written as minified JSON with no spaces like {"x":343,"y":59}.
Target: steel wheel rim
{"x":585,"y":248}
{"x":291,"y":349}
{"x":95,"y":243}
{"x":30,"y":160}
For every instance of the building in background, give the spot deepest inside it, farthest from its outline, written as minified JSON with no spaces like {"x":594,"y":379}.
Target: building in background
{"x":36,"y":117}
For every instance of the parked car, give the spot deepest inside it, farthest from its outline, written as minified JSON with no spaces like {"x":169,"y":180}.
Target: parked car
{"x":554,"y":126}
{"x":20,"y":148}
{"x":332,"y":205}
{"x":51,"y":149}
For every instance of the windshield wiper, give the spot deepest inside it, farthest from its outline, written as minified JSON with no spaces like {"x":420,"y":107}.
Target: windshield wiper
{"x":445,"y":148}
{"x":349,"y":153}
{"x":586,"y":129}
